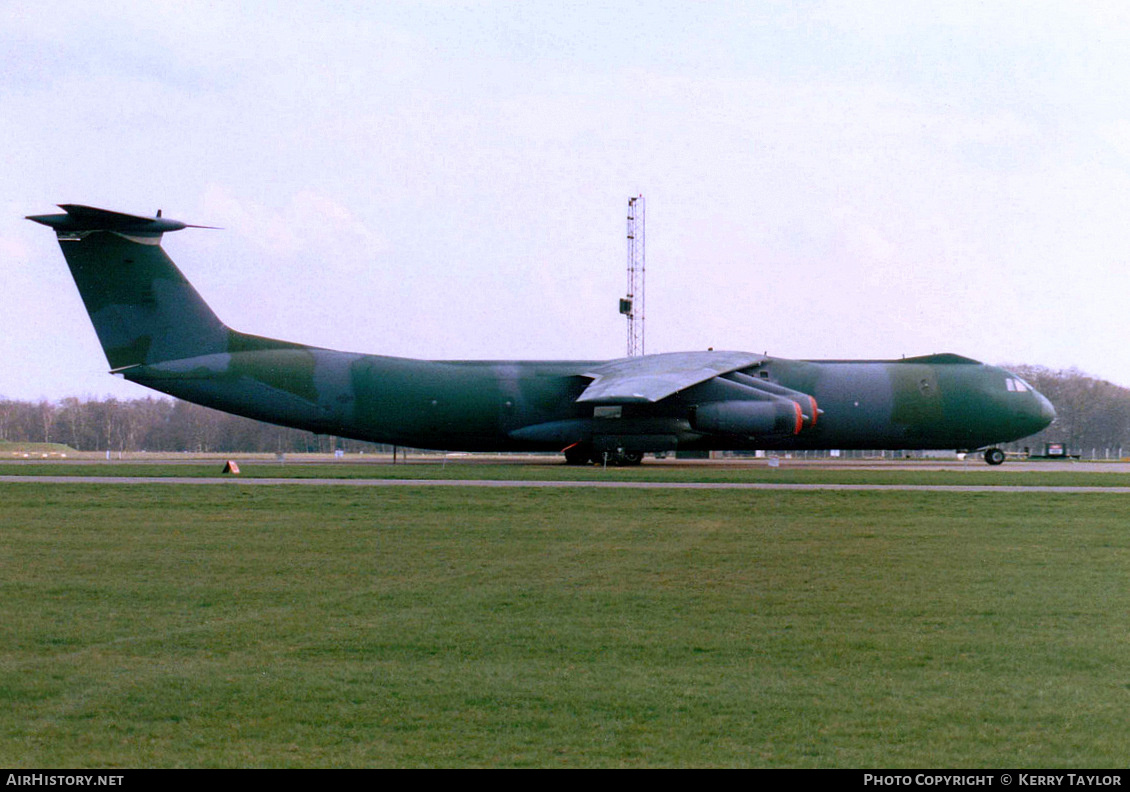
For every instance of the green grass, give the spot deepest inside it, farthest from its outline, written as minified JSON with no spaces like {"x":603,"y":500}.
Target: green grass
{"x":36,"y":449}
{"x":977,"y":474}
{"x":296,"y":626}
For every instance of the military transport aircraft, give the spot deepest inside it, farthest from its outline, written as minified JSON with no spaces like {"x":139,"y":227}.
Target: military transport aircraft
{"x":156,"y":330}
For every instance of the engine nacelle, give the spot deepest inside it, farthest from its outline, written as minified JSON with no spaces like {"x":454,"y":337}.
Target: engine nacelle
{"x":749,"y":418}
{"x":771,"y":389}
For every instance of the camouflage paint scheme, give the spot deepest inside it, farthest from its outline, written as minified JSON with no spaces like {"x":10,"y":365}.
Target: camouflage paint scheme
{"x":157,"y":331}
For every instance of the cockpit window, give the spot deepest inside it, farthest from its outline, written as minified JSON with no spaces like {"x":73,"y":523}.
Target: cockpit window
{"x":1017,"y":385}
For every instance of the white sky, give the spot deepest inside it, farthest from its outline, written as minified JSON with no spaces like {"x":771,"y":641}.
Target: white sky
{"x":450,"y":180}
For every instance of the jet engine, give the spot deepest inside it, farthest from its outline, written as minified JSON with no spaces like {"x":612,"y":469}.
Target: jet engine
{"x":749,"y":418}
{"x":807,"y":403}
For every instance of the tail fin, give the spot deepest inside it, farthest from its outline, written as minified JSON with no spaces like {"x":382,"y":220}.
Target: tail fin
{"x":143,"y":309}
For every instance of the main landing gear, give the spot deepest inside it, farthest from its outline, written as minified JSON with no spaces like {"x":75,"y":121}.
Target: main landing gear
{"x":584,"y":455}
{"x":577,"y":455}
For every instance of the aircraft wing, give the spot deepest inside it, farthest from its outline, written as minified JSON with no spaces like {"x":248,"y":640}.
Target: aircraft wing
{"x":651,"y":378}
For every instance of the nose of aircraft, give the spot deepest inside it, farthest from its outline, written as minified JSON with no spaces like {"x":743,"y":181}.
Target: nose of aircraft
{"x":1042,"y":413}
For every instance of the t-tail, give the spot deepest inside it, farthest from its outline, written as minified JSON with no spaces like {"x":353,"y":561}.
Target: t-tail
{"x":143,"y":309}
{"x":157,"y":331}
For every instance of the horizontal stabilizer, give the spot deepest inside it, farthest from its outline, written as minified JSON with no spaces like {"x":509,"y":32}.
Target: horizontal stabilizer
{"x":80,"y":219}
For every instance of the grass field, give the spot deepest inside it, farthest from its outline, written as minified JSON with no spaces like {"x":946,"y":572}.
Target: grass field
{"x":34,"y":449}
{"x":977,"y":474}
{"x":296,"y":626}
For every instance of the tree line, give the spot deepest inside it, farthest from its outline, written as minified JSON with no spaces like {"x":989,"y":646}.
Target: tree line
{"x":1092,"y":415}
{"x":155,"y":424}
{"x":1093,"y":418}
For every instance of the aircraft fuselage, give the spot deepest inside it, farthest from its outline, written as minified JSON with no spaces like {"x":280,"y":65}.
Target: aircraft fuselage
{"x":157,"y":330}
{"x":936,"y":402}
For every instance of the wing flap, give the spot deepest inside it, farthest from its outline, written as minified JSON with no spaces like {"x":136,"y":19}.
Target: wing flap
{"x":652,"y":378}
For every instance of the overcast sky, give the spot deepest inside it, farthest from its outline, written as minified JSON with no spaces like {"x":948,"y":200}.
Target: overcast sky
{"x":450,"y":180}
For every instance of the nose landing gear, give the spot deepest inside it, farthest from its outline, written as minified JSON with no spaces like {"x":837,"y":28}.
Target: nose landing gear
{"x":994,"y":456}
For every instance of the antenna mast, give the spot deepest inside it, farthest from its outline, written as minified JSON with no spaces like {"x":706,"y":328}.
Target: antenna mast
{"x":632,"y":306}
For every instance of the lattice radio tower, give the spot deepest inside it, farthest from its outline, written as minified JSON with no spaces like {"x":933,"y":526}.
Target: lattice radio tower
{"x":632,"y":306}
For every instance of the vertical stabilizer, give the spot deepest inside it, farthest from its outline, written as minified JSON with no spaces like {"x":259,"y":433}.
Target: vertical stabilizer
{"x":143,"y":309}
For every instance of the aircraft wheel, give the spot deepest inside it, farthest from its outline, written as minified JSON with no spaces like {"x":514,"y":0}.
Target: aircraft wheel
{"x":577,"y":455}
{"x":994,"y":456}
{"x":629,"y":458}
